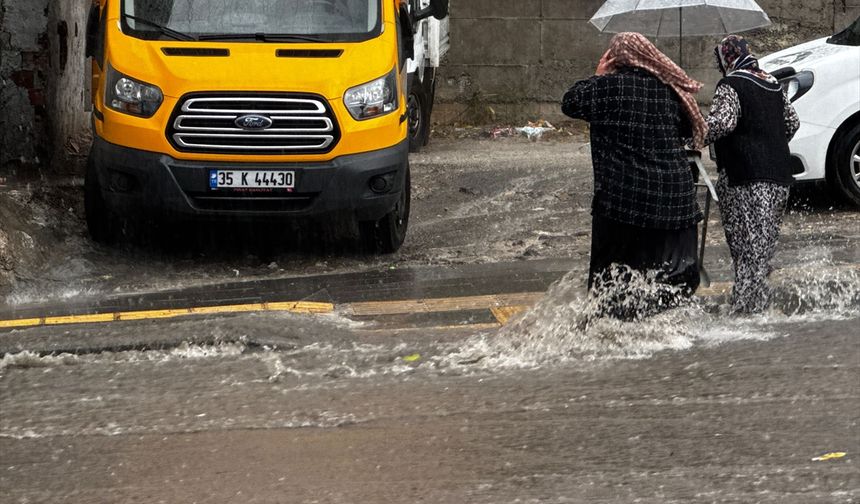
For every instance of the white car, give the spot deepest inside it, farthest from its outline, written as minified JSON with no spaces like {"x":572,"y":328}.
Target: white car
{"x":822,"y":79}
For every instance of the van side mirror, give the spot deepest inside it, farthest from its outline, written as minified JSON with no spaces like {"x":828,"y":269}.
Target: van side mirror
{"x":92,"y":39}
{"x":437,"y":8}
{"x":406,"y":36}
{"x":440,"y":8}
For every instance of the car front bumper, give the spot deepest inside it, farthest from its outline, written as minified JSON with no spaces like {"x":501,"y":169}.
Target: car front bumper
{"x":132,"y":180}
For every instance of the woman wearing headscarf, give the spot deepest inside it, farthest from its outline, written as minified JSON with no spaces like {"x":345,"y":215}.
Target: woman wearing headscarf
{"x":750,"y":125}
{"x":642,"y":111}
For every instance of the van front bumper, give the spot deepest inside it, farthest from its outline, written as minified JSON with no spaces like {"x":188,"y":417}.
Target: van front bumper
{"x":132,"y":181}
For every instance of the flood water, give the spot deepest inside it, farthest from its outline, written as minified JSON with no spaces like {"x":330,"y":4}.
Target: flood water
{"x":691,"y":405}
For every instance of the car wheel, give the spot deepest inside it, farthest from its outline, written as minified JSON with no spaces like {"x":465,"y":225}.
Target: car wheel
{"x":387,"y":235}
{"x":100,"y":222}
{"x":847,"y":164}
{"x":418,"y":112}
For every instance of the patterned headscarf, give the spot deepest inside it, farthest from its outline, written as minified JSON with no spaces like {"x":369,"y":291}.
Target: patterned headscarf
{"x":634,"y":50}
{"x":734,"y":54}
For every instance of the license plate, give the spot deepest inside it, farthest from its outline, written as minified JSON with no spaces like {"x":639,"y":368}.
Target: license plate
{"x":252,"y":179}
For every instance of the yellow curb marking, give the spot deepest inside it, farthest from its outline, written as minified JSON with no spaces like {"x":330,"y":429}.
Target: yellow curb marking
{"x":716,"y":289}
{"x":302,"y":307}
{"x":503,"y":307}
{"x":210,"y":310}
{"x":150,"y":314}
{"x":504,"y":314}
{"x":299,"y":307}
{"x":10,"y":324}
{"x":410,"y":306}
{"x":79,"y":319}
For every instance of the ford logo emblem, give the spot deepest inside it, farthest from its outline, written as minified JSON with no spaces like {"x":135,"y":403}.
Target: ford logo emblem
{"x":254,"y":122}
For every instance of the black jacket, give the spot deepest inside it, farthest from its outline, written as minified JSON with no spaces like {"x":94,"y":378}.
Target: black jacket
{"x":757,"y":150}
{"x":641,"y":172}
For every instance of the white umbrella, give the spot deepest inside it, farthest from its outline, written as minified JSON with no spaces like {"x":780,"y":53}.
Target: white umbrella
{"x":686,"y":18}
{"x":680,"y":18}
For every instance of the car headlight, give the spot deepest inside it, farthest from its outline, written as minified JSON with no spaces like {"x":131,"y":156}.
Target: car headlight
{"x":131,"y":96}
{"x":798,"y":84}
{"x":373,"y":99}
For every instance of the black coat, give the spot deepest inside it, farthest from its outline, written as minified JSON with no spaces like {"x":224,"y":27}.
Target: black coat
{"x":641,"y":173}
{"x":757,"y":150}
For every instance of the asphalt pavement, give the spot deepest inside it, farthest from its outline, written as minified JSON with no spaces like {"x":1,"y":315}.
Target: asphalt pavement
{"x":469,"y":368}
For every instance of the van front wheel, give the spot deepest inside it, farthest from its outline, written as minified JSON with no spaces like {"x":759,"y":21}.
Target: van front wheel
{"x":100,"y":222}
{"x":387,"y":235}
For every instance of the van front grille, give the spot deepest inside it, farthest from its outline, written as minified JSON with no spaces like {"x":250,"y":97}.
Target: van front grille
{"x":253,"y":124}
{"x":246,"y":203}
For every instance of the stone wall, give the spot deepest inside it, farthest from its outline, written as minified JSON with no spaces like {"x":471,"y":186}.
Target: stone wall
{"x":23,"y":74}
{"x":44,"y":116}
{"x":512,"y":60}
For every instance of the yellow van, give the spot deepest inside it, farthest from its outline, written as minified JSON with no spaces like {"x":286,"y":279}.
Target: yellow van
{"x":259,"y":109}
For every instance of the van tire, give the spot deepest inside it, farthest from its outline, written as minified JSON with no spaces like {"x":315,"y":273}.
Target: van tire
{"x":418,"y":104}
{"x":387,"y":235}
{"x":846,"y":165}
{"x":101,"y":223}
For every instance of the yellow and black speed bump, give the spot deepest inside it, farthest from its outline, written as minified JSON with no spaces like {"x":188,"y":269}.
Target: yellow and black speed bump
{"x":467,"y":296}
{"x":454,"y":296}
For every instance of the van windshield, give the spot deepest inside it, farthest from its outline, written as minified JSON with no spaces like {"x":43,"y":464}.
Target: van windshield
{"x":849,"y":36}
{"x":327,"y":20}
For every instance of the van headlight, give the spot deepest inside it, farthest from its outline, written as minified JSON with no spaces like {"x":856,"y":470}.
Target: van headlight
{"x":131,"y":96}
{"x":373,"y":99}
{"x":798,"y":85}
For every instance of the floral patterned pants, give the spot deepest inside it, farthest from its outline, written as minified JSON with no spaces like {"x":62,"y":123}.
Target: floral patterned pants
{"x":752,"y":215}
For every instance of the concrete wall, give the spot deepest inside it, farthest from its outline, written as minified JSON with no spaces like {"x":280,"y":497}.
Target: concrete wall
{"x":68,"y":104}
{"x":512,"y":60}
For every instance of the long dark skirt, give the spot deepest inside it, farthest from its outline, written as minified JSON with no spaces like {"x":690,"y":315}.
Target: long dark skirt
{"x":671,"y":254}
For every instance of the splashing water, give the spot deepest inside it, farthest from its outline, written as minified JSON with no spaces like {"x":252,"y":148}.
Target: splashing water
{"x":185,"y":351}
{"x":568,"y":324}
{"x":816,"y":292}
{"x":28,"y":359}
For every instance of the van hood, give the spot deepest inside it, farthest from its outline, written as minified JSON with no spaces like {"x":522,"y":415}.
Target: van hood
{"x":804,"y":56}
{"x":255,"y":66}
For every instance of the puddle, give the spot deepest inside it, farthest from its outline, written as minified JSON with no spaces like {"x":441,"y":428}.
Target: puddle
{"x":564,"y":326}
{"x":327,"y":380}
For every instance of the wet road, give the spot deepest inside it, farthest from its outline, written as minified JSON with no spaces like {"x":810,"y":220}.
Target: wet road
{"x":421,"y":418}
{"x":556,"y":406}
{"x":467,"y":369}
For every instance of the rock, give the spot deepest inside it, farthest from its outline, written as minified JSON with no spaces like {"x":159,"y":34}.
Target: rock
{"x":469,"y":191}
{"x":531,"y":251}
